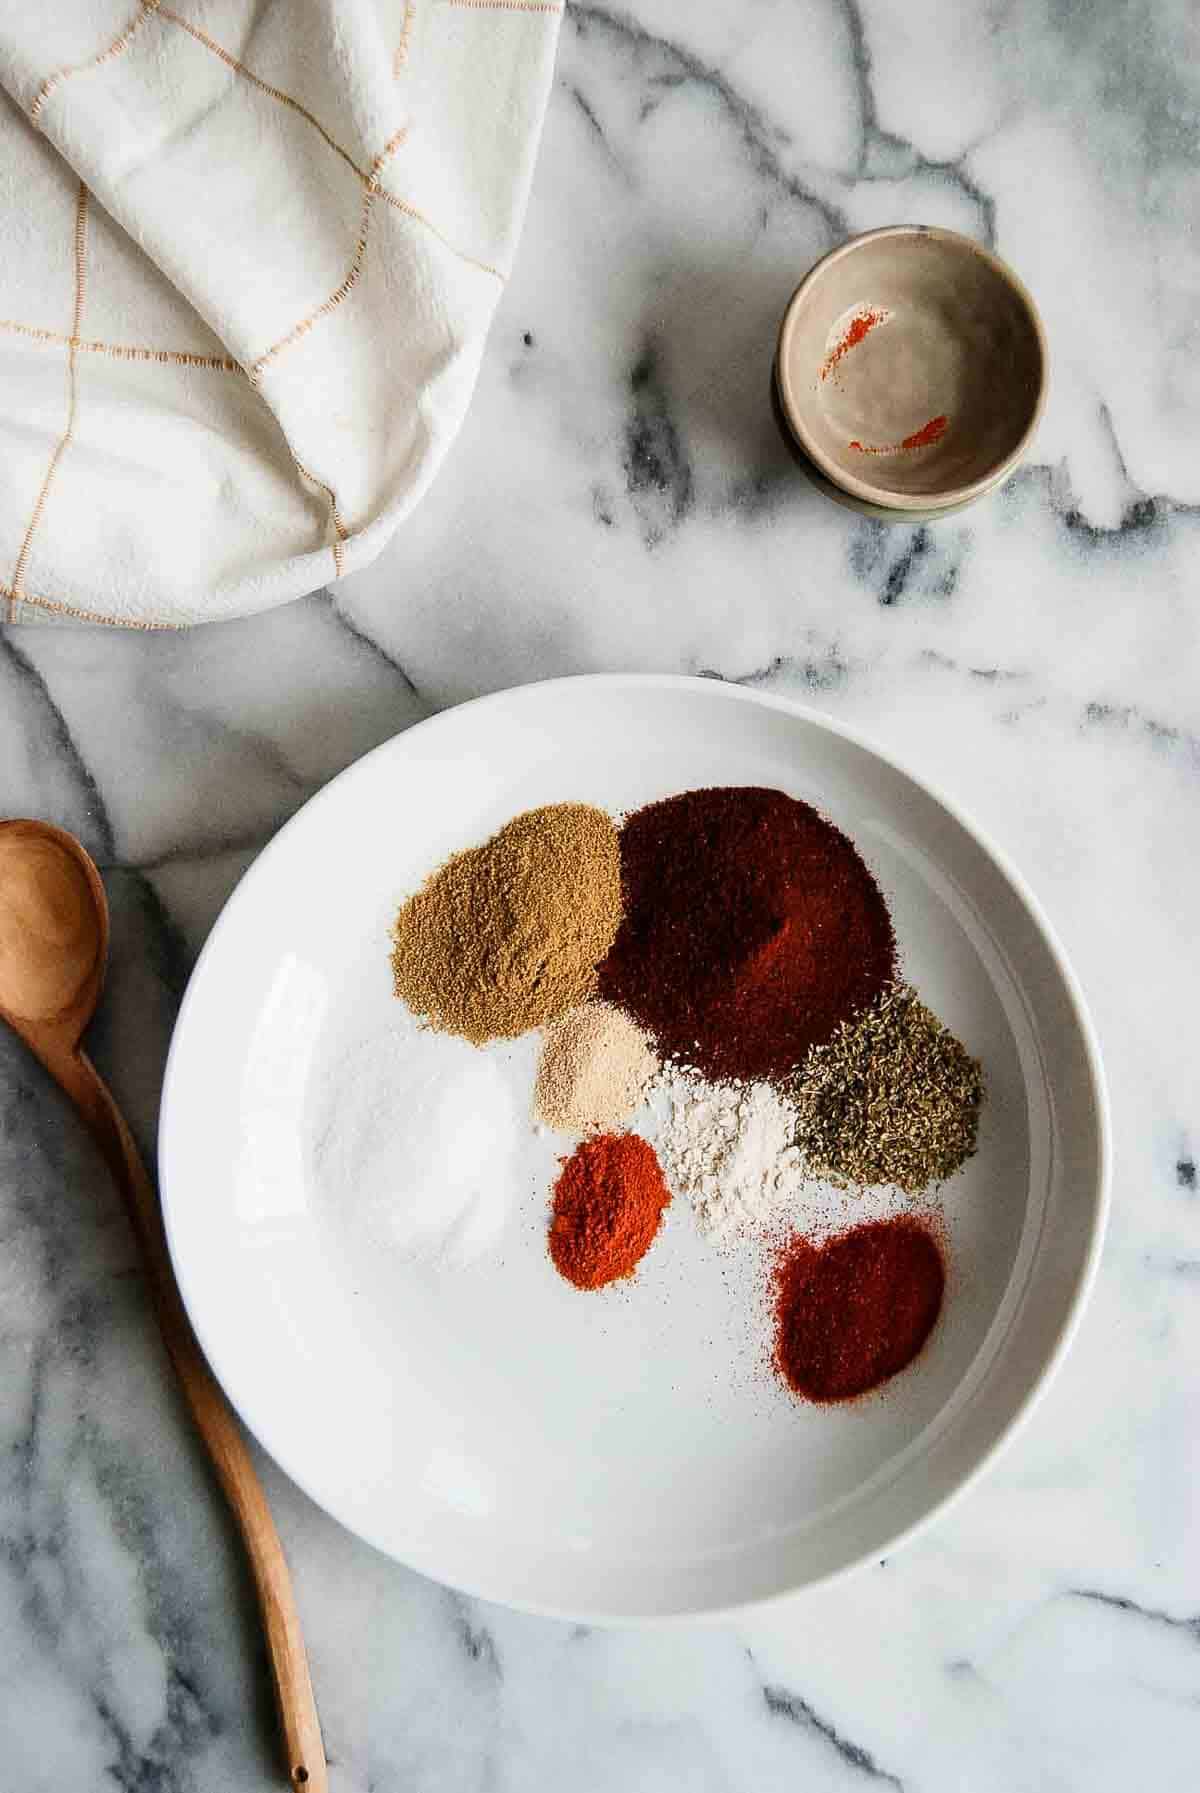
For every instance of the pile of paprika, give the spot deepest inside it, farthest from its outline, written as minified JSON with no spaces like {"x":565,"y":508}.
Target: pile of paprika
{"x":608,"y":1203}
{"x":851,"y":1313}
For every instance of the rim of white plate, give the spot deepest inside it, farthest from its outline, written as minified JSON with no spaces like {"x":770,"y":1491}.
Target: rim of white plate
{"x":1085,"y":1277}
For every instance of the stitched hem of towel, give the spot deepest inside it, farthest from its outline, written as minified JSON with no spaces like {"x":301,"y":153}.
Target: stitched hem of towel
{"x":64,"y":441}
{"x":353,"y":273}
{"x":16,"y":600}
{"x":121,"y":351}
{"x":109,"y":53}
{"x":369,"y":178}
{"x":554,"y":6}
{"x":400,"y":59}
{"x":340,"y":532}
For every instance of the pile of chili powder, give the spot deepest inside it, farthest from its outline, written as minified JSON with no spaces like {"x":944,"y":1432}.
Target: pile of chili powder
{"x":750,"y":931}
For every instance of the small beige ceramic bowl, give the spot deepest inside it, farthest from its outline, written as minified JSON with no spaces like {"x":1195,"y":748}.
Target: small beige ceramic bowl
{"x":911,"y":371}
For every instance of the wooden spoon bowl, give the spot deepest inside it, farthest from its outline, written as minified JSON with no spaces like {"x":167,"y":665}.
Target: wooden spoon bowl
{"x":53,"y":928}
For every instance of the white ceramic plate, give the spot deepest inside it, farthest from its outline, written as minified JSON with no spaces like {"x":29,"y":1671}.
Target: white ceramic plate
{"x":623,"y":1454}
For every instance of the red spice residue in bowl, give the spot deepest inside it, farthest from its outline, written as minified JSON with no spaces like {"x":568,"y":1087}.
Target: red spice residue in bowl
{"x":859,"y":327}
{"x":925,"y":437}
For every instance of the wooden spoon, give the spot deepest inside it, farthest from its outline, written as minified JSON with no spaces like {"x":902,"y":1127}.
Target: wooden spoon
{"x":53,"y":951}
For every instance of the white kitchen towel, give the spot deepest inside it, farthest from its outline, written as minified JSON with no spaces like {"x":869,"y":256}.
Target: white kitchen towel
{"x":249,"y":254}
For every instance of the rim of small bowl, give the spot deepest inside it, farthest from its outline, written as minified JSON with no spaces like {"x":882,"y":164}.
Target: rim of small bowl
{"x":869,"y":490}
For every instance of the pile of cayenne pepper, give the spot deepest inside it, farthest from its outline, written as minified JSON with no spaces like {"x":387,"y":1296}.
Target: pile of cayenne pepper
{"x":751,"y":930}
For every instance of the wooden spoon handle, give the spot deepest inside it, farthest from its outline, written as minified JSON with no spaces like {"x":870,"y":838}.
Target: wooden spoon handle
{"x":217,"y":1427}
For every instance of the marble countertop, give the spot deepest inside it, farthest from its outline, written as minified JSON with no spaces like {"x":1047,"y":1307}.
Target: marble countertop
{"x":619,"y":500}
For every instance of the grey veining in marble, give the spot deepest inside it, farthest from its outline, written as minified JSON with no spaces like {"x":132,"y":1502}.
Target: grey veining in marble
{"x":619,"y":499}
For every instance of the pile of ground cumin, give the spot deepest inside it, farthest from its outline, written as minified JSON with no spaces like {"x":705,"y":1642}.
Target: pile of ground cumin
{"x":507,"y":936}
